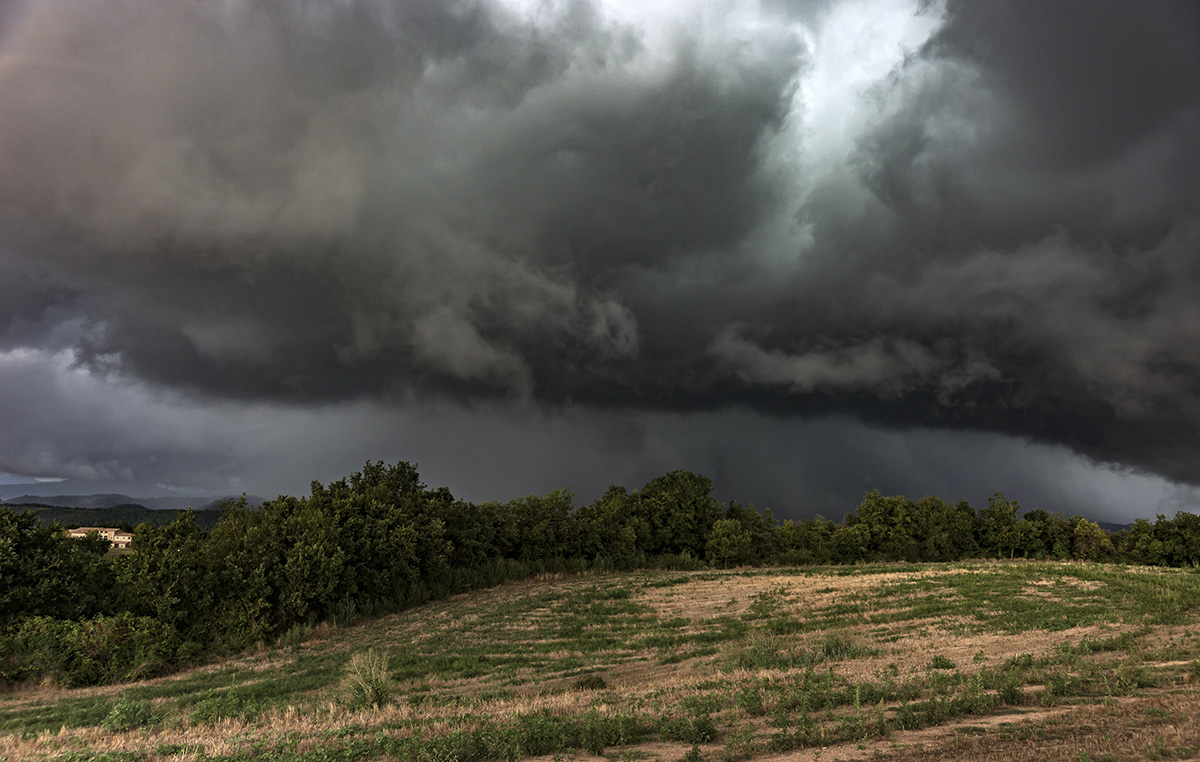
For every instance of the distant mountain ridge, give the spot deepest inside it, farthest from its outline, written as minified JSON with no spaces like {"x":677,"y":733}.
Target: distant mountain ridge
{"x":111,"y":500}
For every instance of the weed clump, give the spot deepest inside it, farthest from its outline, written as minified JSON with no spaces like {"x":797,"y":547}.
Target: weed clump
{"x":126,"y":715}
{"x":750,"y":699}
{"x":1011,"y":692}
{"x":367,"y":682}
{"x":295,"y":636}
{"x":590,"y":683}
{"x":215,"y":707}
{"x":941,"y":662}
{"x":975,"y":699}
{"x":906,"y":718}
{"x":599,"y":731}
{"x":697,"y":730}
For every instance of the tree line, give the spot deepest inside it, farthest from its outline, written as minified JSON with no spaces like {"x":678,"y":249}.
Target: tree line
{"x":380,"y":540}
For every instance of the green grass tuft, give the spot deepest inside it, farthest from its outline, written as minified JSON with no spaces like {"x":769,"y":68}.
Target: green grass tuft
{"x":367,"y":682}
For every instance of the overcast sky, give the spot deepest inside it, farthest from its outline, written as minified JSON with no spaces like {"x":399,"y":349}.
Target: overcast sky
{"x":805,"y":247}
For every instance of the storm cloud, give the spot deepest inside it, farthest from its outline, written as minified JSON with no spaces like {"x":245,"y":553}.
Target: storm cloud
{"x":956,"y":219}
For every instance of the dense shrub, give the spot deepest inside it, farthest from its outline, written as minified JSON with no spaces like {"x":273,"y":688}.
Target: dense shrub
{"x":88,"y":652}
{"x":45,"y":573}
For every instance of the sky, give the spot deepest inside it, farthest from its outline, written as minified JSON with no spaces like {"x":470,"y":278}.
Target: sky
{"x":807,"y":248}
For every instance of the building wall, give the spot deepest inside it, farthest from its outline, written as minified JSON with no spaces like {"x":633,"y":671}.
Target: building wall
{"x":119,"y":538}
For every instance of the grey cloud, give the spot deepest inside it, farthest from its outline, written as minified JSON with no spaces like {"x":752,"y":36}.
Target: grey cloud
{"x":286,"y":202}
{"x":393,"y":219}
{"x":1088,"y":80}
{"x":889,"y":368}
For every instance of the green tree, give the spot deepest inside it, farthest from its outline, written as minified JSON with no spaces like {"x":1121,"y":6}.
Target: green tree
{"x":167,"y":577}
{"x":245,"y":552}
{"x":612,"y":529}
{"x":1142,"y":546}
{"x":804,"y":542}
{"x":381,"y":532}
{"x":470,"y":531}
{"x":849,"y":544}
{"x":1180,"y":538}
{"x":889,"y":527}
{"x":1029,"y":539}
{"x":999,"y":535}
{"x":1091,"y":542}
{"x":680,"y":510}
{"x":1055,"y":534}
{"x":728,"y":543}
{"x":759,"y":525}
{"x":318,"y":573}
{"x":944,"y":532}
{"x":537,"y":528}
{"x":45,"y":573}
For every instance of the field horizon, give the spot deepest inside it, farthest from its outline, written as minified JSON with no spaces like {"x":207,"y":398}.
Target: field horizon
{"x":974,"y":660}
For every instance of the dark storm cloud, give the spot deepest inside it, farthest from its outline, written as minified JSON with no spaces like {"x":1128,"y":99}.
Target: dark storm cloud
{"x":1087,"y":81}
{"x":1032,"y":264}
{"x":285,"y":199}
{"x":289,"y":201}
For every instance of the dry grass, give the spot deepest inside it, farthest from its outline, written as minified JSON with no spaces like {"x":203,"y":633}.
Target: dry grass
{"x":1161,"y":726}
{"x":886,"y":634}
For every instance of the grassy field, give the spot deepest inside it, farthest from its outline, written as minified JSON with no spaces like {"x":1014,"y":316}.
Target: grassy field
{"x":1010,"y":660}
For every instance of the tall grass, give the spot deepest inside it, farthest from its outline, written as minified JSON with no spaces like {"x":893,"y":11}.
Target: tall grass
{"x":367,"y":682}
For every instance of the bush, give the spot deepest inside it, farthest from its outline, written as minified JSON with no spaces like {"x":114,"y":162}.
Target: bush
{"x":542,"y":733}
{"x":906,"y":718}
{"x":1062,"y":684}
{"x":841,"y":646}
{"x":975,"y":699}
{"x":367,"y":682}
{"x":343,"y":612}
{"x":94,"y":651}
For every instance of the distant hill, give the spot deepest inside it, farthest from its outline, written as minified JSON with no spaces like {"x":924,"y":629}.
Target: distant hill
{"x":137,"y":490}
{"x":118,"y":515}
{"x":165,"y":503}
{"x":106,"y":501}
{"x":81,"y":493}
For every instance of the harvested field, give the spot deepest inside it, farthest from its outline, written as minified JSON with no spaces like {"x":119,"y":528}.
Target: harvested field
{"x":984,"y":660}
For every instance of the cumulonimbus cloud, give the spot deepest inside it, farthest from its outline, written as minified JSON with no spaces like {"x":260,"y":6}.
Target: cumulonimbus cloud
{"x":990,"y":224}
